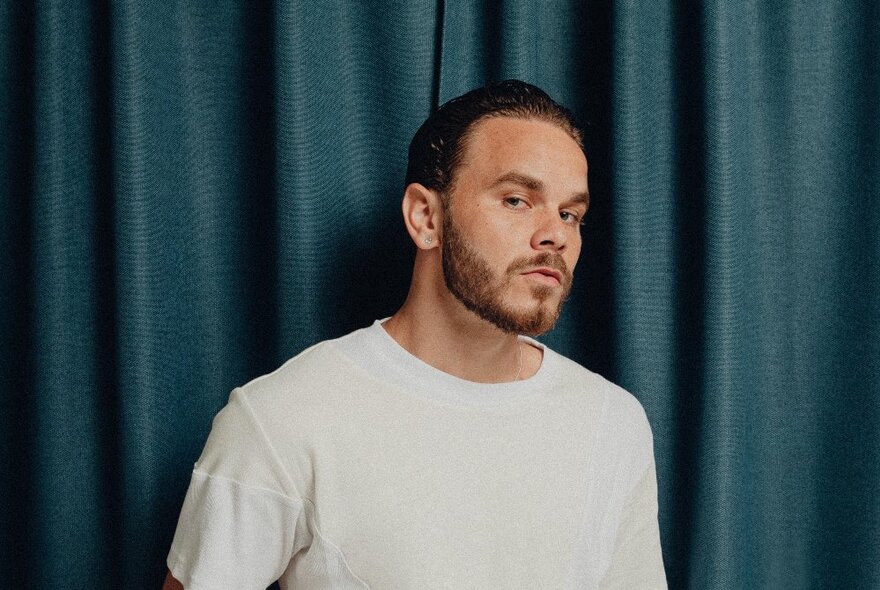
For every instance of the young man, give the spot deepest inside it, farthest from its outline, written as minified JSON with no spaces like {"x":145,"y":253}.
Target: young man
{"x":442,"y":447}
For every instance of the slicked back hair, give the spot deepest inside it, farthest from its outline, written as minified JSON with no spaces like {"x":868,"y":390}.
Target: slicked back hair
{"x":436,"y":150}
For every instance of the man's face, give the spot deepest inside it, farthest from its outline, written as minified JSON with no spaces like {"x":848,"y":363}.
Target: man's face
{"x":511,"y":230}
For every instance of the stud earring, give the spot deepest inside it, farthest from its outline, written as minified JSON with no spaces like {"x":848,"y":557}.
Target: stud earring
{"x":428,"y":240}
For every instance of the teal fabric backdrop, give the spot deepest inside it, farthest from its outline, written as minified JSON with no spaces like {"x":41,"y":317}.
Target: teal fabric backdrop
{"x":191,"y":192}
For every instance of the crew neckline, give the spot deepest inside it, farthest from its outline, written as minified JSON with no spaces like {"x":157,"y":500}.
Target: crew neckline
{"x":374,"y":349}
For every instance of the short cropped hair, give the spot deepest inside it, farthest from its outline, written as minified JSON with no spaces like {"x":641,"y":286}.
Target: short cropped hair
{"x":436,"y":150}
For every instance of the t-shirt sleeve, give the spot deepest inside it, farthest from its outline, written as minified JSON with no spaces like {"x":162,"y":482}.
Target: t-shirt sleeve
{"x":241,"y":521}
{"x":637,"y":559}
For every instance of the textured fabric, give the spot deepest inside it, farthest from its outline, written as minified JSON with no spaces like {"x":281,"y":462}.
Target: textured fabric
{"x":192,"y":192}
{"x":413,"y":478}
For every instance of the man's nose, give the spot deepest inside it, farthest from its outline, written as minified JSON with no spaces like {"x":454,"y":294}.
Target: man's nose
{"x":550,"y":234}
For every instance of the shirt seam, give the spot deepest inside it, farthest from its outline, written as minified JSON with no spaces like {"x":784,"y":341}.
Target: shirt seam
{"x":265,"y":442}
{"x":296,"y":502}
{"x":317,"y":532}
{"x":310,"y":521}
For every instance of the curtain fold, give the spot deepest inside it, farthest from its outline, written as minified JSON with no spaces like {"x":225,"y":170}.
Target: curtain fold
{"x":193,"y":192}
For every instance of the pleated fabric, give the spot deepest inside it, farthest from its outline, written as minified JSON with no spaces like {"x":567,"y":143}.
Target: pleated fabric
{"x":192,"y":192}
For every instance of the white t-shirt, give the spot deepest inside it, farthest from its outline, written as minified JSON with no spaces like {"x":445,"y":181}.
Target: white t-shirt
{"x":357,"y":465}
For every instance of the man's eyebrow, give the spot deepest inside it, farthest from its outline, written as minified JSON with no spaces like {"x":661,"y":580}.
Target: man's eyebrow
{"x":534,"y":184}
{"x":581,"y":198}
{"x":525,"y":180}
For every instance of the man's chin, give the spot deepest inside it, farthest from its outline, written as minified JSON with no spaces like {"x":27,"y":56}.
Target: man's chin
{"x":539,"y":328}
{"x":533,"y":322}
{"x":544,"y":292}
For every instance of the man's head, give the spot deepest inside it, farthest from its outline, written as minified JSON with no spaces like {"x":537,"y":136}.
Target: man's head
{"x":505,"y":166}
{"x":437,"y":147}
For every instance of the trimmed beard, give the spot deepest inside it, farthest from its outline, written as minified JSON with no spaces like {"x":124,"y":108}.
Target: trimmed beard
{"x":471,"y":280}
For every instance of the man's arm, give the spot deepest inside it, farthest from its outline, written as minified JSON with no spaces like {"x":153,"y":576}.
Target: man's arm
{"x":171,"y":583}
{"x":637,"y":561}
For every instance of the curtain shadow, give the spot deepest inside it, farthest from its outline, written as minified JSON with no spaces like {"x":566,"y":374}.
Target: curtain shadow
{"x":19,"y":505}
{"x":690,"y":170}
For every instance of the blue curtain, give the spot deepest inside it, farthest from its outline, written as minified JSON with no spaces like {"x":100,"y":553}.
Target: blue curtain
{"x":192,"y":192}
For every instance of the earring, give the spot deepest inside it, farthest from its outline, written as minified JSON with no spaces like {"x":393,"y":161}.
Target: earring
{"x":428,"y":240}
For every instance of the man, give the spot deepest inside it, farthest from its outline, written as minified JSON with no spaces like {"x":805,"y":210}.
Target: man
{"x":442,"y":447}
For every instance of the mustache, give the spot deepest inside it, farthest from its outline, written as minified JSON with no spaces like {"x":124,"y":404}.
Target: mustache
{"x":547,"y":259}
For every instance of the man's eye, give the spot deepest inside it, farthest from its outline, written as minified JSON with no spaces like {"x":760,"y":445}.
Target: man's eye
{"x":514,"y":202}
{"x":570,"y":217}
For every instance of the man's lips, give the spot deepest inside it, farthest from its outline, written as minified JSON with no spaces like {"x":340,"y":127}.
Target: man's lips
{"x":545,"y":275}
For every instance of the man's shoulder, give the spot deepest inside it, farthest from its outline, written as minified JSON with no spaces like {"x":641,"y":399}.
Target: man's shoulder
{"x":619,"y":406}
{"x":314,"y":370}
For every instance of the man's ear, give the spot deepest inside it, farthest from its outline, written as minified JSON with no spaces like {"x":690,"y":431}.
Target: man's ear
{"x":422,"y":214}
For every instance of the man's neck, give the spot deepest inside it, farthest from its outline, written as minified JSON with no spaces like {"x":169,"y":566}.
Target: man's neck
{"x":449,"y":337}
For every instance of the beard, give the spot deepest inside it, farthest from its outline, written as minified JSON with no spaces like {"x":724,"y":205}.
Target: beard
{"x":481,"y":290}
